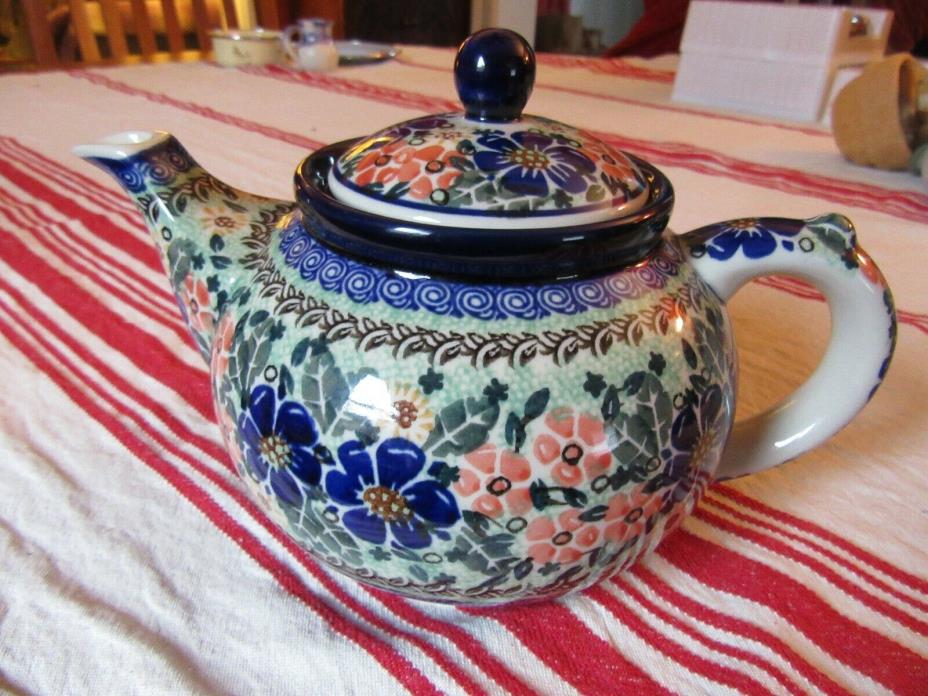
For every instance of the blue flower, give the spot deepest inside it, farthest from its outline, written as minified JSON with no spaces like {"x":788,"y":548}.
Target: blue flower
{"x":695,"y":434}
{"x":528,"y":161}
{"x":278,"y":444}
{"x":388,"y":497}
{"x":750,"y":235}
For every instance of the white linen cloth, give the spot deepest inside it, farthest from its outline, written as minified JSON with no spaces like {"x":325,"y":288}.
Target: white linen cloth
{"x":131,"y":561}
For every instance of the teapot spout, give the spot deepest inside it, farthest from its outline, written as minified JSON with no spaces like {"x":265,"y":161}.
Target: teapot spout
{"x":200,"y":225}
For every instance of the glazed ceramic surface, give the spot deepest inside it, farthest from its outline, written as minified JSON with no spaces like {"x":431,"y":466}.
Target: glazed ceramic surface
{"x":467,"y":439}
{"x":257,"y":47}
{"x":309,"y":45}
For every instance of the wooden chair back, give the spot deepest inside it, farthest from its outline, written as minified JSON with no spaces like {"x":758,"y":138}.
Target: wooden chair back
{"x":122,"y":31}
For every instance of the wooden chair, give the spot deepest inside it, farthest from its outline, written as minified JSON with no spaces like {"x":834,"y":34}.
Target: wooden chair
{"x":123,"y":31}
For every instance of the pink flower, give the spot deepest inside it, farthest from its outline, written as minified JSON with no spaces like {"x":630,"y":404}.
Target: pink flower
{"x":194,"y":296}
{"x":219,"y":362}
{"x":500,"y":476}
{"x":423,"y":168}
{"x":575,"y":444}
{"x":627,"y":514}
{"x":564,"y":539}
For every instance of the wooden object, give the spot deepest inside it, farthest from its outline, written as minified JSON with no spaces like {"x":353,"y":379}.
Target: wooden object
{"x":120,"y":31}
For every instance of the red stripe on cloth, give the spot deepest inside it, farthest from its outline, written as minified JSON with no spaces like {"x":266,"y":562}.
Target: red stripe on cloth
{"x":69,"y":252}
{"x":474,"y":651}
{"x":470,"y":648}
{"x":818,"y":548}
{"x":70,"y":206}
{"x":607,"y":66}
{"x":478,"y":654}
{"x":98,"y":319}
{"x":148,"y":354}
{"x":666,"y":107}
{"x":625,"y":586}
{"x":355,"y":88}
{"x":780,"y":548}
{"x":569,"y":647}
{"x":204,"y":111}
{"x":71,"y":180}
{"x":234,"y":492}
{"x":733,"y":625}
{"x":865,"y":557}
{"x":861,"y":648}
{"x":397,"y":665}
{"x":907,"y":205}
{"x":716,"y":672}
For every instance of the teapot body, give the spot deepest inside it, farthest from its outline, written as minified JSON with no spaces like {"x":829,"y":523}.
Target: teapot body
{"x":497,"y":438}
{"x":470,"y":442}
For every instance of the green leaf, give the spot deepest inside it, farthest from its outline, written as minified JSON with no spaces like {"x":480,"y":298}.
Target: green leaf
{"x":286,"y":381}
{"x":325,"y":389}
{"x":299,"y":353}
{"x":479,"y":523}
{"x":655,"y":407}
{"x":536,"y":404}
{"x":522,"y":569}
{"x":462,"y":426}
{"x":220,"y":262}
{"x":611,"y":403}
{"x":515,"y":432}
{"x":258,"y":317}
{"x":637,"y":444}
{"x":689,"y":354}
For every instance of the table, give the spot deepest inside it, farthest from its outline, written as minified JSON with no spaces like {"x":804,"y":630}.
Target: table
{"x":131,"y":562}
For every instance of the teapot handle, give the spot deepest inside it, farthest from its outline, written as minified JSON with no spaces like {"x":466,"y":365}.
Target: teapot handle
{"x":824,"y":252}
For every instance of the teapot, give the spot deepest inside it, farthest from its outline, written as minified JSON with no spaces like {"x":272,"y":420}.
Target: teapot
{"x":471,"y":364}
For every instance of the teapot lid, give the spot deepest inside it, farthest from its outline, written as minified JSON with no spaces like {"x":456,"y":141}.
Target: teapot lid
{"x":491,"y":166}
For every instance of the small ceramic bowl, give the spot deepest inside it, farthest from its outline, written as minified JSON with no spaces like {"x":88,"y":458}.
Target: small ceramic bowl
{"x":234,"y":48}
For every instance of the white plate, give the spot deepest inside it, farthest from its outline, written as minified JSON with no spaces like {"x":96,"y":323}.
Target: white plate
{"x":354,"y":52}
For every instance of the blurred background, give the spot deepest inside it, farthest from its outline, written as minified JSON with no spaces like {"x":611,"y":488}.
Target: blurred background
{"x":588,"y":27}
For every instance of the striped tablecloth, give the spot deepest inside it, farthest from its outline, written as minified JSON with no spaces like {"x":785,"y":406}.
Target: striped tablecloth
{"x":132,"y":562}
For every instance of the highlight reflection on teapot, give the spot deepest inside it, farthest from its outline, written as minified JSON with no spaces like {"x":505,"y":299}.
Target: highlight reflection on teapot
{"x":470,"y":363}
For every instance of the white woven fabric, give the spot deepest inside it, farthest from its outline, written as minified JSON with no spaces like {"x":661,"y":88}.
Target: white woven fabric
{"x":131,"y":562}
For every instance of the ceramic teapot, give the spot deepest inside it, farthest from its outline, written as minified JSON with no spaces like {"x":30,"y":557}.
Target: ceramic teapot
{"x":470,"y":363}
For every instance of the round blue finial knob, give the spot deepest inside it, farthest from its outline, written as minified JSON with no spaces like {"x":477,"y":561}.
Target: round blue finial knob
{"x":494,"y":73}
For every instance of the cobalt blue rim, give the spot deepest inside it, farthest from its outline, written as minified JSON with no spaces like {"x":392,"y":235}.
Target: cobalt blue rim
{"x":516,"y":254}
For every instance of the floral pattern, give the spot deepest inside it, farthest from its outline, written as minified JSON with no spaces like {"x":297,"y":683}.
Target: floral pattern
{"x":278,"y":443}
{"x":223,"y":220}
{"x":196,"y":304}
{"x":407,"y":416}
{"x":695,"y":435}
{"x":563,"y":539}
{"x":574,"y":445}
{"x":533,"y":164}
{"x":447,"y":162}
{"x":497,"y":480}
{"x":627,"y":514}
{"x":466,"y":479}
{"x":754,"y":237}
{"x":386,"y":498}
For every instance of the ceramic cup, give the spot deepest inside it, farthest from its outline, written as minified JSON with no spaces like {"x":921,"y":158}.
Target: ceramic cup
{"x":234,"y":48}
{"x":310,"y":46}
